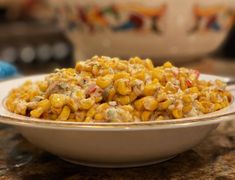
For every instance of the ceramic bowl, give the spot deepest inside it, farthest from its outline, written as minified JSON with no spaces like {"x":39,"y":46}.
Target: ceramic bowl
{"x":153,"y":28}
{"x":114,"y":144}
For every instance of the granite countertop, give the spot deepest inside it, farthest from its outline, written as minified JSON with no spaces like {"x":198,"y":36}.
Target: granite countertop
{"x":213,"y":158}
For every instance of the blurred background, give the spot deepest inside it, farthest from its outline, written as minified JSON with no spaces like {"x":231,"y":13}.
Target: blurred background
{"x":32,"y":40}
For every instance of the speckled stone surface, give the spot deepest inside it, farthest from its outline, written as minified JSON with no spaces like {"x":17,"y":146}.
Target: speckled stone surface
{"x":214,"y":158}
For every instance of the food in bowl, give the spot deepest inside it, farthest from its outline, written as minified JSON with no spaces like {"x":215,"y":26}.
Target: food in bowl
{"x":181,"y":31}
{"x":105,"y":89}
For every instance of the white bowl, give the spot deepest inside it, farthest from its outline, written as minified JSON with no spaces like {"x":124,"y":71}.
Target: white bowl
{"x":185,"y":29}
{"x":114,"y":144}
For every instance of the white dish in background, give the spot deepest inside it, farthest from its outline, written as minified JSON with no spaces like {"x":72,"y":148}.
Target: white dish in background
{"x":114,"y":144}
{"x":184,"y":30}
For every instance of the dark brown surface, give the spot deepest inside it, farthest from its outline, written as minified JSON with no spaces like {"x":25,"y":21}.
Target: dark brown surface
{"x":214,"y":158}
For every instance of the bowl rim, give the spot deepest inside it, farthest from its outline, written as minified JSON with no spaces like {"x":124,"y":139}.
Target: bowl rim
{"x":10,"y":118}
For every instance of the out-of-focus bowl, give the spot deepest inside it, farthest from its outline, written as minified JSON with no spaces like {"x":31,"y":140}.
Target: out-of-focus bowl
{"x":151,"y":28}
{"x":114,"y":144}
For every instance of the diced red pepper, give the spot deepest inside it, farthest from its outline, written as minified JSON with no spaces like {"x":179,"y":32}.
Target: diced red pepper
{"x":175,"y":74}
{"x":189,"y":83}
{"x":91,"y":89}
{"x":197,"y":73}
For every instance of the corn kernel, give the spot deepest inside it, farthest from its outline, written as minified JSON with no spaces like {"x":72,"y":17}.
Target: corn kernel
{"x":155,"y":82}
{"x":167,"y":65}
{"x":86,"y":103}
{"x":10,"y":105}
{"x":80,"y":94}
{"x":139,"y":104}
{"x":87,"y":68}
{"x":72,"y":104}
{"x":183,"y":84}
{"x":150,"y":89}
{"x":43,"y":86}
{"x":169,"y":87}
{"x":137,"y":114}
{"x":86,"y":74}
{"x":44,"y":104}
{"x":104,"y":81}
{"x":102,"y":107}
{"x":32,"y":94}
{"x":217,"y":106}
{"x":146,"y":115}
{"x":95,"y":70}
{"x":53,"y":116}
{"x":80,"y":116}
{"x":36,"y":113}
{"x":177,"y":113}
{"x":164,"y":105}
{"x":98,"y":98}
{"x":220,"y":83}
{"x":78,"y":67}
{"x":120,"y":75}
{"x":88,"y":119}
{"x":194,"y":90}
{"x":150,"y":103}
{"x":213,"y":98}
{"x":121,"y":66}
{"x":128,"y":108}
{"x":26,"y":96}
{"x":111,"y":94}
{"x":157,"y":74}
{"x":64,"y":115}
{"x":135,"y":60}
{"x":187,"y":108}
{"x":133,"y":96}
{"x":205,"y":106}
{"x":57,"y":100}
{"x":140,"y":75}
{"x":99,"y":117}
{"x":160,"y":118}
{"x":91,"y":112}
{"x":123,"y":100}
{"x":122,"y":87}
{"x":161,"y":97}
{"x":187,"y":99}
{"x":105,"y":71}
{"x":148,"y":64}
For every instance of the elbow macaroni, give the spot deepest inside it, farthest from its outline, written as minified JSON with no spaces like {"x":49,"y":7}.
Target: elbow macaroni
{"x":104,"y":89}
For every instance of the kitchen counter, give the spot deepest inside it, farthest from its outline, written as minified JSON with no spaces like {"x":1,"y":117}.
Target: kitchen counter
{"x":214,"y":158}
